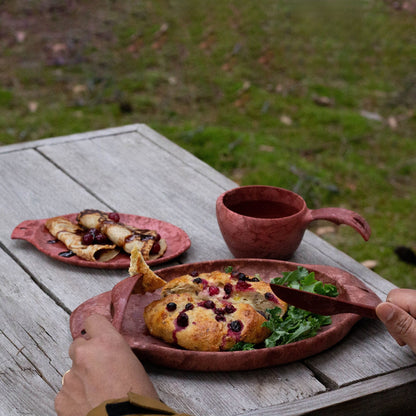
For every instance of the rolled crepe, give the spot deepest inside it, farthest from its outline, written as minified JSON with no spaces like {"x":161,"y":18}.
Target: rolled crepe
{"x":123,"y":235}
{"x":71,"y":235}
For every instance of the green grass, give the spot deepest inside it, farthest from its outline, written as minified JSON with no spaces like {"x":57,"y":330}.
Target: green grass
{"x":274,"y":92}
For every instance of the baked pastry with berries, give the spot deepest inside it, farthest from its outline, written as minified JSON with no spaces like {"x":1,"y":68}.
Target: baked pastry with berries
{"x":212,"y":311}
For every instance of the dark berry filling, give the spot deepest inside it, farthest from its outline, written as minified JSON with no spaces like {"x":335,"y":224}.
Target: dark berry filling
{"x":189,"y":306}
{"x":229,"y":308}
{"x":155,"y":248}
{"x":113,"y":216}
{"x":182,"y":320}
{"x":194,"y":273}
{"x":213,"y":290}
{"x":197,"y":280}
{"x":68,"y":253}
{"x":209,"y":304}
{"x":235,"y":326}
{"x":242,"y":285}
{"x":171,"y":306}
{"x":269,"y":296}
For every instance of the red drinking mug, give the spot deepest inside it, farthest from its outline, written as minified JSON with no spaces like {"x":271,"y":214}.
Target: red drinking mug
{"x":259,"y":221}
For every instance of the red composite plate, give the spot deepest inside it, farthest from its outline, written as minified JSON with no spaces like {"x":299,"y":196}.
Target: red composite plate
{"x":35,"y":232}
{"x":154,"y":350}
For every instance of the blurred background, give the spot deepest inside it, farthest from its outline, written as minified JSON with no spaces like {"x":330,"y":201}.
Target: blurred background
{"x":316,"y":96}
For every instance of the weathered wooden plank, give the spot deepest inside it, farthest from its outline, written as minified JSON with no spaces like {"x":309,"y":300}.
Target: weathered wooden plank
{"x":139,"y":176}
{"x":140,"y":171}
{"x":391,"y":394}
{"x":34,"y":341}
{"x":69,"y":138}
{"x":38,"y":189}
{"x":230,"y":394}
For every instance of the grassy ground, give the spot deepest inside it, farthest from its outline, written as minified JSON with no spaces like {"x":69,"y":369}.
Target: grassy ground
{"x":312,"y":95}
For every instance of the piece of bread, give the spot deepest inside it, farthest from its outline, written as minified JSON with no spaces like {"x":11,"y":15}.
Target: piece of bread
{"x":149,"y":281}
{"x":212,"y":311}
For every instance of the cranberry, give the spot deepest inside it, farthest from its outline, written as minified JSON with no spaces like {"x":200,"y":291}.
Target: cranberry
{"x":230,"y":308}
{"x":213,"y":290}
{"x":189,"y":306}
{"x":194,"y":273}
{"x":197,"y":280}
{"x":220,"y":317}
{"x":171,"y":306}
{"x":100,"y":238}
{"x":113,"y":216}
{"x":241,"y":285}
{"x":209,"y":304}
{"x":235,"y":326}
{"x":182,"y":320}
{"x":269,"y":296}
{"x":87,"y":239}
{"x":158,"y":237}
{"x":155,"y":248}
{"x":228,"y":288}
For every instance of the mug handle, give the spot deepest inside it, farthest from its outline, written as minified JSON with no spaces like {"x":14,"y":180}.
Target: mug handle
{"x":341,"y":216}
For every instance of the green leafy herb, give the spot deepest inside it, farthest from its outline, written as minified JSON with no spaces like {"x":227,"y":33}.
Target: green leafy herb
{"x":228,"y":269}
{"x":243,"y":346}
{"x":302,"y":279}
{"x":297,"y":324}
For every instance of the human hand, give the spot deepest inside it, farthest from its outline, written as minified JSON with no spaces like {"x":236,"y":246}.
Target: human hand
{"x":398,"y":314}
{"x":103,"y":368}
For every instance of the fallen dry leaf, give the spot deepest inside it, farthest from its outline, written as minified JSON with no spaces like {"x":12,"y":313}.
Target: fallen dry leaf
{"x":20,"y":36}
{"x":286,"y":120}
{"x":392,"y":122}
{"x":325,"y":230}
{"x":33,"y":106}
{"x":323,"y":101}
{"x":370,"y":264}
{"x":266,"y":148}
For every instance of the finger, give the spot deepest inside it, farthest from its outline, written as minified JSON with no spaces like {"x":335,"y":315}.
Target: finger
{"x":96,"y":325}
{"x":74,"y":346}
{"x":405,"y":298}
{"x":399,"y":323}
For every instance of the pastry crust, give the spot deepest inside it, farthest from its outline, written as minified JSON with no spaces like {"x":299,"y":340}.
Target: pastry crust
{"x":71,"y":235}
{"x":203,"y":331}
{"x":212,"y":311}
{"x":149,"y":281}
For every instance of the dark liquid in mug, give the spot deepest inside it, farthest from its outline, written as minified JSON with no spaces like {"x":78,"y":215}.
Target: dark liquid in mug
{"x":263,"y":209}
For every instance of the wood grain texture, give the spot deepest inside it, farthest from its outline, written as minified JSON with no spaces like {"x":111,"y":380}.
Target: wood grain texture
{"x":34,"y":342}
{"x":133,"y":169}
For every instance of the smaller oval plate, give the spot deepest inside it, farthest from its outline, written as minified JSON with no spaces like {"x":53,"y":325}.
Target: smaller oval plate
{"x":35,"y":232}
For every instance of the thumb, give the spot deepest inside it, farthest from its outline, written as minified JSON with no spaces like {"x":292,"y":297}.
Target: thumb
{"x":399,"y":323}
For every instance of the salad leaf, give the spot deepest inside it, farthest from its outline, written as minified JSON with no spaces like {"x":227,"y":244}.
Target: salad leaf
{"x":243,"y":346}
{"x":302,"y":279}
{"x":297,"y":324}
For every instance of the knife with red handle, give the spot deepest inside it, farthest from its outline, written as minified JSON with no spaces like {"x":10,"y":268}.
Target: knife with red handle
{"x":320,"y":304}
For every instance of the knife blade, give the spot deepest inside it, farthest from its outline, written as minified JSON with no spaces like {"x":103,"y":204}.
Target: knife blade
{"x":320,"y":304}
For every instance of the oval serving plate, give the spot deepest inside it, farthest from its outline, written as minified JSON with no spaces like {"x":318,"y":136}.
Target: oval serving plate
{"x":154,"y":350}
{"x":35,"y":232}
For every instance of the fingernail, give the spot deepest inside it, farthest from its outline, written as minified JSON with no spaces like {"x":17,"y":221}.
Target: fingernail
{"x":385,"y":312}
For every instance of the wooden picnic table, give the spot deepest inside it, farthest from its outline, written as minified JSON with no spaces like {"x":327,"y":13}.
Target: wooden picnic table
{"x":133,"y":169}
